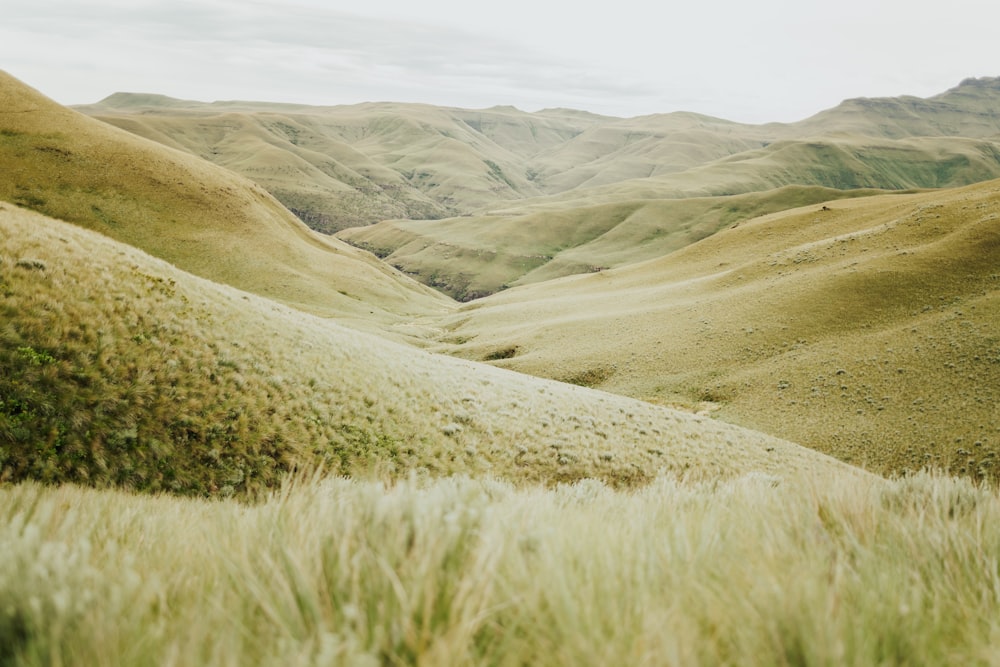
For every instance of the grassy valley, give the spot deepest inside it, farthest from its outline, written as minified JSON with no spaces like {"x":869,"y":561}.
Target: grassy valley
{"x":865,"y":328}
{"x":648,"y":438}
{"x":521,"y":197}
{"x":348,"y":166}
{"x":472,"y":257}
{"x":625,"y":191}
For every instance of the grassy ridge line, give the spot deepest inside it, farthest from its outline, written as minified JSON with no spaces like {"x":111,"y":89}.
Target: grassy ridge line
{"x":119,"y":369}
{"x":866,"y":329}
{"x":587,"y":229}
{"x":556,"y":151}
{"x":345,"y":166}
{"x":196,"y":215}
{"x":328,"y":183}
{"x":473,"y":257}
{"x":834,"y":161}
{"x":755,"y":571}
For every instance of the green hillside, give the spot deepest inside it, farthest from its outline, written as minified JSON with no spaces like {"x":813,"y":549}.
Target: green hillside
{"x":472,"y":257}
{"x":864,"y":328}
{"x":200,"y":217}
{"x":120,"y":369}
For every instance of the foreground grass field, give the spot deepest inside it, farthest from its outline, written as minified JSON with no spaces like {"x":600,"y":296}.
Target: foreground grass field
{"x":757,"y":570}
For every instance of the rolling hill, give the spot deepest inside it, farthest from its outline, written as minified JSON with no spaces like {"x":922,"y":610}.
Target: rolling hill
{"x":353,"y":165}
{"x":474,"y":201}
{"x":865,"y":328}
{"x":472,"y":257}
{"x":120,"y":369}
{"x":785,"y":323}
{"x":339,"y":167}
{"x":630,"y":190}
{"x":203,"y":218}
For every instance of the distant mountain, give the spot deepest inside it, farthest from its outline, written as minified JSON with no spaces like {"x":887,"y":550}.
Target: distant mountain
{"x":968,"y":110}
{"x":347,"y":166}
{"x":630,"y":190}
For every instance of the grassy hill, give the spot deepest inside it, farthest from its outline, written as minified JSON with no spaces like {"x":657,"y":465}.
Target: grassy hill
{"x":411,"y":160}
{"x":120,"y":369}
{"x":340,"y":167}
{"x":473,"y":201}
{"x":629,"y":190}
{"x":967,"y":110}
{"x":490,"y":517}
{"x":198,"y":216}
{"x":472,"y":257}
{"x":865,"y":328}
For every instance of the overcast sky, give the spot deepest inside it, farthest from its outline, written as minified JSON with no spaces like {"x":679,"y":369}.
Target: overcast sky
{"x":747,"y":61}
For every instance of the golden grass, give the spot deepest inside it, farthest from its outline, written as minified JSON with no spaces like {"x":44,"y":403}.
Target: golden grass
{"x":866,"y":328}
{"x":195,"y":215}
{"x":120,"y":369}
{"x":759,"y":570}
{"x":867,"y":331}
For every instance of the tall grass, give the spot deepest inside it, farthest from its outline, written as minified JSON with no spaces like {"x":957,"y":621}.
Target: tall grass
{"x":757,"y":570}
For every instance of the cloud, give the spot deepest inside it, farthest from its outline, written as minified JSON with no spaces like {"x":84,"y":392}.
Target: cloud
{"x":223,"y":49}
{"x":772,"y":60}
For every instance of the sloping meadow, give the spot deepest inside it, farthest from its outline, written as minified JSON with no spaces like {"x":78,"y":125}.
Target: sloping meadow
{"x":865,"y":328}
{"x":122,"y":370}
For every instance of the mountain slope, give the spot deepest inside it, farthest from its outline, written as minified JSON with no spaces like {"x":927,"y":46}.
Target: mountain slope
{"x":472,"y":257}
{"x":196,"y":215}
{"x":339,"y":167}
{"x":865,"y":328}
{"x":967,"y":110}
{"x":448,"y":254}
{"x":620,"y":175}
{"x":120,"y":369}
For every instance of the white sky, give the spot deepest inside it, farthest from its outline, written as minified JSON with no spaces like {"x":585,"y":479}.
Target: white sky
{"x":773,"y":60}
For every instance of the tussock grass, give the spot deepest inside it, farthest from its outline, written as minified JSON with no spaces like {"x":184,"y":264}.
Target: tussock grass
{"x":120,"y":370}
{"x":758,"y":570}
